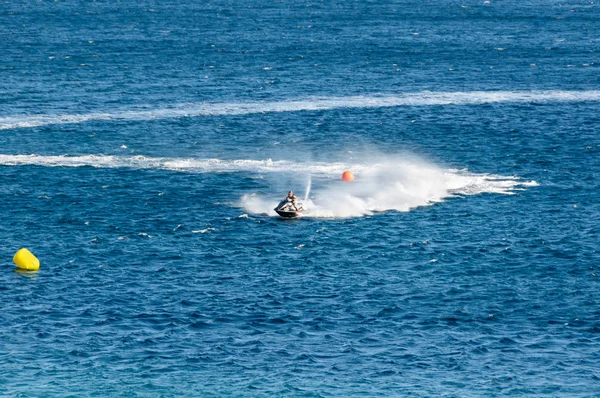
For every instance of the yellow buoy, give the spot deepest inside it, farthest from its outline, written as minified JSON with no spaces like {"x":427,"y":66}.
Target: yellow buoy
{"x":26,"y":260}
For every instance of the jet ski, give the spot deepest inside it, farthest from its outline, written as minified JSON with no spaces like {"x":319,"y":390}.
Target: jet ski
{"x":286,"y":209}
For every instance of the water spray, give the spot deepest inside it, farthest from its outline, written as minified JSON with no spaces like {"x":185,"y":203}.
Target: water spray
{"x":308,"y":188}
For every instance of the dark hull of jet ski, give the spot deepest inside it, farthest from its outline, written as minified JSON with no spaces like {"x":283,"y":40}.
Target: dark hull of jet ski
{"x":288,"y":214}
{"x":285,"y":210}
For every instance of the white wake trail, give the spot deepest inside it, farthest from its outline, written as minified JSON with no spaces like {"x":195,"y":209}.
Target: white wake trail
{"x":200,"y":109}
{"x":177,"y":164}
{"x":382,"y":183}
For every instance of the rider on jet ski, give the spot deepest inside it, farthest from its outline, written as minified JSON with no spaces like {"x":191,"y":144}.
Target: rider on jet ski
{"x":292,"y":200}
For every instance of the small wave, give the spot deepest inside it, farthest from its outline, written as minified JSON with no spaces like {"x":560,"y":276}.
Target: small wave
{"x":203,"y":231}
{"x":200,"y":109}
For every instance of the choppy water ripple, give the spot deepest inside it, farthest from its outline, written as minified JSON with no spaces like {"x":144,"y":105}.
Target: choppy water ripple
{"x":144,"y":146}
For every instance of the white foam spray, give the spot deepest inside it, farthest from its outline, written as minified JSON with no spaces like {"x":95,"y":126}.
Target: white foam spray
{"x":308,"y":185}
{"x":392,"y":184}
{"x":200,"y":109}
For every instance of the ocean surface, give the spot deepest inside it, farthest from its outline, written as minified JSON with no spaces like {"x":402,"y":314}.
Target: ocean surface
{"x":144,"y":144}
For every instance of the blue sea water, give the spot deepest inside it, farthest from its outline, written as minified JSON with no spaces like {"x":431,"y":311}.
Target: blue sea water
{"x":143,"y":145}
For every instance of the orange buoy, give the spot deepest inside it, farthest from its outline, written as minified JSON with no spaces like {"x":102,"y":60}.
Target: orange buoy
{"x":347,"y":176}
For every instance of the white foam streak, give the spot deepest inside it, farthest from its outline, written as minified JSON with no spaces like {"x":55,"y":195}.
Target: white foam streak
{"x":200,"y":109}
